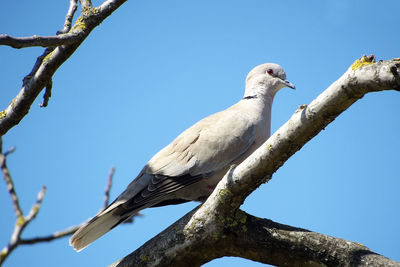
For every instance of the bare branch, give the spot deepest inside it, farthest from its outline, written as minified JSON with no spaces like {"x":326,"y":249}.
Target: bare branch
{"x":37,"y":64}
{"x":56,"y":235}
{"x":73,"y":5}
{"x":217,"y":225}
{"x":9,"y":181}
{"x":249,"y":237}
{"x":108,"y":187}
{"x":269,"y":242}
{"x":47,"y":94}
{"x":44,"y":41}
{"x":35,"y":208}
{"x":72,"y":229}
{"x":107,"y":195}
{"x":51,"y":60}
{"x":21,"y":223}
{"x":11,"y":150}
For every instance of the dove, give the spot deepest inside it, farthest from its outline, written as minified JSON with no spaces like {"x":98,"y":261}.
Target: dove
{"x":189,"y":168}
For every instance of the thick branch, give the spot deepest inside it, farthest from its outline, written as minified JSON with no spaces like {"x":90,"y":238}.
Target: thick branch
{"x":269,"y":242}
{"x":40,"y":77}
{"x":253,"y":238}
{"x":218,"y":229}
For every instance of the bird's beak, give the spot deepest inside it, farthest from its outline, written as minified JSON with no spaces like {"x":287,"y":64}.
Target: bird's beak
{"x":289,"y":84}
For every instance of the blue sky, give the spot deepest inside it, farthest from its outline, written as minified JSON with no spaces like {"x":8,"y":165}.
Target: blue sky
{"x":154,"y":68}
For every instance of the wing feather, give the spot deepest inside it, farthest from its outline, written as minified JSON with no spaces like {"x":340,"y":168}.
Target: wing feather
{"x":206,"y":148}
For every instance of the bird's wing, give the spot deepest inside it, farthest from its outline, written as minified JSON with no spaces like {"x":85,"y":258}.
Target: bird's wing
{"x":205,"y":148}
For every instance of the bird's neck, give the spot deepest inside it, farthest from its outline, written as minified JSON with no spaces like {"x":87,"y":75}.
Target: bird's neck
{"x":259,"y":89}
{"x":260,"y":105}
{"x":258,"y":97}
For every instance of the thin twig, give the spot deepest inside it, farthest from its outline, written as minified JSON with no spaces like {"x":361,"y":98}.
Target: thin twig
{"x":108,"y":187}
{"x":55,"y":235}
{"x":37,"y":65}
{"x":9,"y":151}
{"x":73,"y":5}
{"x":47,"y":94}
{"x":9,"y":181}
{"x":21,"y":223}
{"x":107,"y":195}
{"x":21,"y":220}
{"x":36,"y":40}
{"x":35,"y":208}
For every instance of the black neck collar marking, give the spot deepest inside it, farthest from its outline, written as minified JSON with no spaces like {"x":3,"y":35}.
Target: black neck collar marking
{"x":250,"y":97}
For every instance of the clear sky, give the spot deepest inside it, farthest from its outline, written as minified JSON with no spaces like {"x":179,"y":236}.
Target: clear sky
{"x":154,"y":68}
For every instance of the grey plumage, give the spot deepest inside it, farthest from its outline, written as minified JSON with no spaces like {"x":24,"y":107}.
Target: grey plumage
{"x":190,"y":167}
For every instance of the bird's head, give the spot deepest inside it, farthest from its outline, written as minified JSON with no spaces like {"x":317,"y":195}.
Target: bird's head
{"x":265,"y":80}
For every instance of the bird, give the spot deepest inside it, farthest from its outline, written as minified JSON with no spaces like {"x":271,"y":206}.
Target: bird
{"x":189,"y":168}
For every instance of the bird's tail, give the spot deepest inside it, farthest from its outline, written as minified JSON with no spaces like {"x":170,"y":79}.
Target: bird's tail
{"x":99,"y":225}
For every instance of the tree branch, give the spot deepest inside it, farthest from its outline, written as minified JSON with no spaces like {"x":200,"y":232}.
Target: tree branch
{"x":47,"y":94}
{"x":108,"y":187}
{"x":73,"y":5}
{"x":56,"y":235}
{"x":269,"y":242}
{"x":218,"y":219}
{"x":21,"y":223}
{"x":52,"y":59}
{"x":8,"y":179}
{"x":253,"y":238}
{"x":35,"y":40}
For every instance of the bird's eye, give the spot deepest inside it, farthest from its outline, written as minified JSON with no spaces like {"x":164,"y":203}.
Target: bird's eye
{"x":270,"y":71}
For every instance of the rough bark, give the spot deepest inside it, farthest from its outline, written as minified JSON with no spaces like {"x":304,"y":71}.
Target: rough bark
{"x":218,"y":228}
{"x":253,"y":238}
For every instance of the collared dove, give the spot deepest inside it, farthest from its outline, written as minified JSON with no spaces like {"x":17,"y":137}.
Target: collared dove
{"x":190,"y":167}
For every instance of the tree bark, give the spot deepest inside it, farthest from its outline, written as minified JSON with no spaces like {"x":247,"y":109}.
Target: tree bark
{"x":218,"y":228}
{"x":253,"y":238}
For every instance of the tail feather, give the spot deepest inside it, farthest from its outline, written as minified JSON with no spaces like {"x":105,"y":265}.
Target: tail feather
{"x":97,"y":227}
